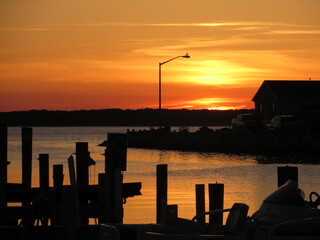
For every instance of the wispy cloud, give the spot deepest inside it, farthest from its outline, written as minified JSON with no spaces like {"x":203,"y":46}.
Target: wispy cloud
{"x":314,"y":31}
{"x":24,"y":29}
{"x":190,"y":24}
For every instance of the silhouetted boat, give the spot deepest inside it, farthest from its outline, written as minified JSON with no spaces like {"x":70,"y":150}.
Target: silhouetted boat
{"x":284,"y":214}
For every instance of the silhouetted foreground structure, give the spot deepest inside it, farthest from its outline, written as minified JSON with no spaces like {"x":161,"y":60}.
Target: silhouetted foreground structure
{"x":63,"y":211}
{"x":118,"y":117}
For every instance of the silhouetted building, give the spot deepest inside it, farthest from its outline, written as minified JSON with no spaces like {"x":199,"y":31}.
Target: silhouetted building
{"x":298,"y":98}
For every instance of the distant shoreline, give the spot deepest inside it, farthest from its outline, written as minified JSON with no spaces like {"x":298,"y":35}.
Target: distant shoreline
{"x":118,"y":117}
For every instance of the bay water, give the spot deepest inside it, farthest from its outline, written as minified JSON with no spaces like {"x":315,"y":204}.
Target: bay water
{"x":245,"y":179}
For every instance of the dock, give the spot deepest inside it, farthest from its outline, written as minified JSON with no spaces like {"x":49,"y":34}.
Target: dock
{"x":63,"y":211}
{"x":66,"y":212}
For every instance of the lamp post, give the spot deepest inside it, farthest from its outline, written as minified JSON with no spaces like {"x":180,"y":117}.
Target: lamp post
{"x":160,"y":64}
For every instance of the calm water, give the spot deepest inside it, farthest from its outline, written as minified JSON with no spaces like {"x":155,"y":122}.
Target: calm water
{"x":245,"y":179}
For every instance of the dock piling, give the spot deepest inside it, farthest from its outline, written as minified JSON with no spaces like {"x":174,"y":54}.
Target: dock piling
{"x":26,"y":156}
{"x":162,"y":192}
{"x":58,"y":175}
{"x":26,"y":159}
{"x":200,"y":202}
{"x":72,"y":173}
{"x":82,"y":163}
{"x":116,"y":152}
{"x":70,"y":212}
{"x":3,"y":172}
{"x":112,"y":180}
{"x":216,"y":199}
{"x":44,"y":170}
{"x":171,"y":212}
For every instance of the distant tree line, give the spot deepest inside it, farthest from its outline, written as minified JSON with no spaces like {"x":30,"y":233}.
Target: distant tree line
{"x":119,"y":117}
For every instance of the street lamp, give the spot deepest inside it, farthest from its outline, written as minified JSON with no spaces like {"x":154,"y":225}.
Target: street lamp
{"x":160,"y":64}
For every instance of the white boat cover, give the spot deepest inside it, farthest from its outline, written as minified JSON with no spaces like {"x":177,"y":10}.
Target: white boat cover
{"x":285,"y":204}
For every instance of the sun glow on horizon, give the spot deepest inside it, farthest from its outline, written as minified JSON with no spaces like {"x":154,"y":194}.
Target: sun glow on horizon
{"x":210,"y":104}
{"x":227,"y":108}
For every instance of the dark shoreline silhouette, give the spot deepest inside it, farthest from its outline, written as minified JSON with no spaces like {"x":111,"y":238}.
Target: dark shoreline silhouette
{"x":294,"y":147}
{"x":119,"y":117}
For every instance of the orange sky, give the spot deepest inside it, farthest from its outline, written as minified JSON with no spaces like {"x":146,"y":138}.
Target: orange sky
{"x":81,"y":54}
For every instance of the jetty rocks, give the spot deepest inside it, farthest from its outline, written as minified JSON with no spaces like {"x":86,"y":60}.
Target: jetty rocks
{"x":227,"y":140}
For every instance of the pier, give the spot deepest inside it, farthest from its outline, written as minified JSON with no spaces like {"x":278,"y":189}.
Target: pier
{"x":63,"y":211}
{"x":68,"y":211}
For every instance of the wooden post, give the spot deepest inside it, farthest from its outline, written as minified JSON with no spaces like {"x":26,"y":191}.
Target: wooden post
{"x":216,"y":198}
{"x":116,"y":152}
{"x":110,"y":197}
{"x":69,"y":211}
{"x":73,"y":183}
{"x":3,"y":172}
{"x":26,"y":157}
{"x":286,"y":173}
{"x":171,"y":212}
{"x":82,"y":159}
{"x":115,"y":163}
{"x":58,"y":175}
{"x":72,"y":172}
{"x":162,"y":192}
{"x":117,"y":196}
{"x":103,"y":197}
{"x":57,"y":183}
{"x":200,"y":202}
{"x":44,"y":170}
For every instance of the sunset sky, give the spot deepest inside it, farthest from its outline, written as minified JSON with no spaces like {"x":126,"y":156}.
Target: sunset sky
{"x":97,"y":54}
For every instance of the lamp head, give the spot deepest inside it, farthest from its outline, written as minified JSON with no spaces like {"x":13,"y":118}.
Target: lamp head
{"x":186,"y":56}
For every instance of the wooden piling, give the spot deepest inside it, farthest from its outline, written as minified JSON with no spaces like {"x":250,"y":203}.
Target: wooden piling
{"x":3,"y":172}
{"x":69,"y":213}
{"x":200,"y":202}
{"x":110,"y":197}
{"x":58,"y":175}
{"x":57,"y":183}
{"x":83,"y":161}
{"x":162,"y":192}
{"x":73,"y":183}
{"x":82,"y":166}
{"x":26,"y":147}
{"x":286,"y":173}
{"x":26,"y":157}
{"x":117,"y":196}
{"x":44,"y":170}
{"x":112,"y":181}
{"x":116,"y":152}
{"x":216,"y":199}
{"x":171,"y":212}
{"x":72,"y":172}
{"x":103,"y":197}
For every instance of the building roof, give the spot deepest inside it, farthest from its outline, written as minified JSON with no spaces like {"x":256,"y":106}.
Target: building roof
{"x":304,"y":90}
